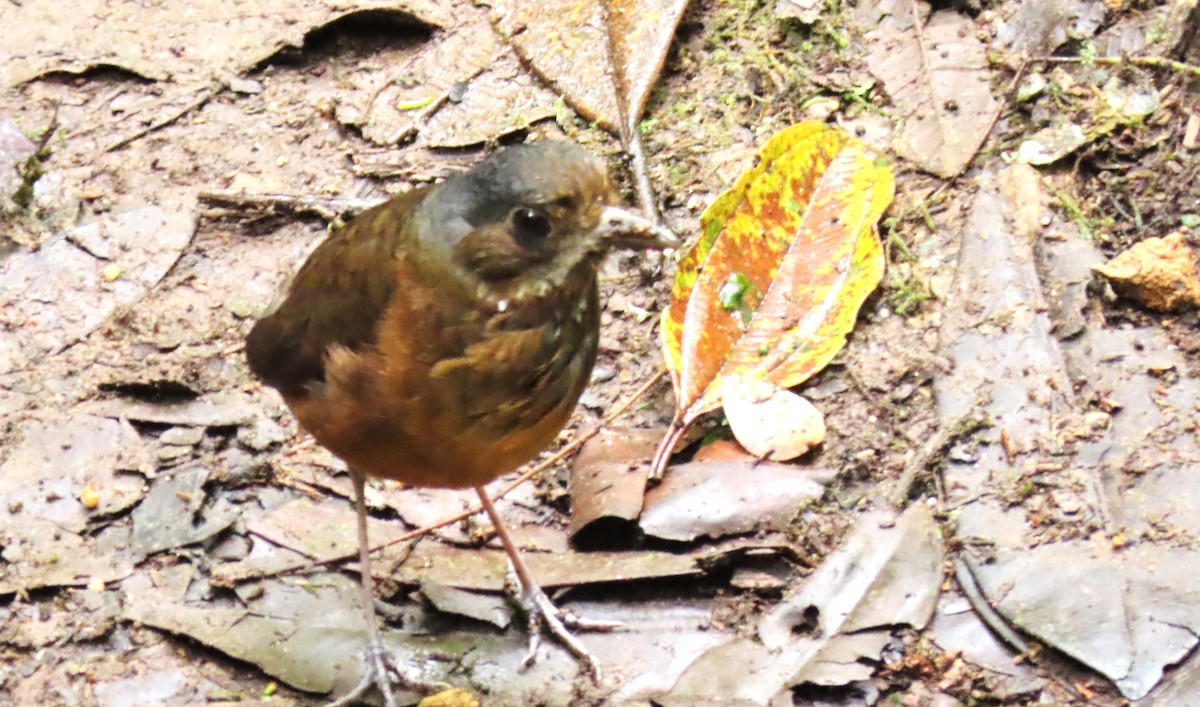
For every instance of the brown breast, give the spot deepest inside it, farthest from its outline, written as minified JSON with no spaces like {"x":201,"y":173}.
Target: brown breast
{"x":455,"y":392}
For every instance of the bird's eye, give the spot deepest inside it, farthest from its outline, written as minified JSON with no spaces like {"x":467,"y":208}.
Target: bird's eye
{"x":529,"y":226}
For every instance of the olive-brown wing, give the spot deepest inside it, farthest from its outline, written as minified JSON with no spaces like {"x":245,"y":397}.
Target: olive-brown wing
{"x":337,"y":298}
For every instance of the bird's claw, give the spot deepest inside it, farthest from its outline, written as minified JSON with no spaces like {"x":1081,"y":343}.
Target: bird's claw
{"x":380,"y":672}
{"x":559,"y":622}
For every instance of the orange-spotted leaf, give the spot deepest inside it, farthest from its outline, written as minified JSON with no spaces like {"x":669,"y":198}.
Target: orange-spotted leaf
{"x":784,"y":261}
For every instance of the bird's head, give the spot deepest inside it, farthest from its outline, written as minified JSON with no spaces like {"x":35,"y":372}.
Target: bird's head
{"x":527,"y":217}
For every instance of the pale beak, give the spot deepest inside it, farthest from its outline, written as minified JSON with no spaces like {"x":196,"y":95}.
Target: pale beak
{"x":620,"y":228}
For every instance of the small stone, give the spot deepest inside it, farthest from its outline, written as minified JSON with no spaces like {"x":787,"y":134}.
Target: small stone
{"x":603,"y":374}
{"x":247,"y":86}
{"x":1097,"y":420}
{"x":458,"y":91}
{"x":262,"y":435}
{"x":184,"y":436}
{"x":172,"y":452}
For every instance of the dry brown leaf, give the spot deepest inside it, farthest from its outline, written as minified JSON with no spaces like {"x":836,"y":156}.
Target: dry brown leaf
{"x":603,"y":56}
{"x":937,"y":73}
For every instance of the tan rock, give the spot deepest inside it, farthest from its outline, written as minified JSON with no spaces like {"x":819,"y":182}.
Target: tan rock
{"x":1159,"y":273}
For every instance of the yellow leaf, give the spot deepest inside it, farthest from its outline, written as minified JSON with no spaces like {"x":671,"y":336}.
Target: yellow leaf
{"x":799,"y":229}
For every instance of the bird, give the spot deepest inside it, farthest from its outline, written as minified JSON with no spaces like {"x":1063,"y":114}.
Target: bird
{"x":444,"y":337}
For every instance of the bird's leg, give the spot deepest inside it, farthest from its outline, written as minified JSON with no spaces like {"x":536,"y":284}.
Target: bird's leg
{"x":378,"y":657}
{"x":538,"y":606}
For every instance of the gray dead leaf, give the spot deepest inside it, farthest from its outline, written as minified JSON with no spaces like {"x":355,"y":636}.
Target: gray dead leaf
{"x":227,"y":409}
{"x":879,"y":578}
{"x":1039,"y":27}
{"x":740,"y":672}
{"x":1181,"y":686}
{"x":309,"y":633}
{"x":936,"y":71}
{"x":54,"y":460}
{"x":54,"y":296}
{"x":1067,"y":271}
{"x":420,"y":507}
{"x":39,"y":553}
{"x":883,"y":575}
{"x":328,"y":529}
{"x":956,"y":628}
{"x":719,"y":498}
{"x":1089,"y":576}
{"x":44,"y":522}
{"x":481,"y":607}
{"x":485,"y":570}
{"x":83,"y":615}
{"x":153,"y":40}
{"x":495,"y":94}
{"x":175,"y":513}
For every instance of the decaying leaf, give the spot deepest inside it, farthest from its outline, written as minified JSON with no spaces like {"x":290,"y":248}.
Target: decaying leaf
{"x":44,"y":521}
{"x":1084,"y":436}
{"x":151,"y":40}
{"x":838,"y":618}
{"x":603,"y":56}
{"x":800,"y":229}
{"x":722,"y":498}
{"x":936,"y":71}
{"x":56,"y":295}
{"x":462,"y":88}
{"x":608,"y":480}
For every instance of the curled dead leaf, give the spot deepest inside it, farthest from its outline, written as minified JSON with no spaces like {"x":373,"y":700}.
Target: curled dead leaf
{"x":771,"y":422}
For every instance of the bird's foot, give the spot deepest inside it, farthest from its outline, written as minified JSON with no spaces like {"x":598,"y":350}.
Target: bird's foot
{"x":559,"y":622}
{"x":381,"y":672}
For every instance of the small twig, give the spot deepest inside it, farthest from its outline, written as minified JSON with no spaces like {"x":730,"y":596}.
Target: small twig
{"x":328,"y":209}
{"x":983,"y":609}
{"x":533,"y":471}
{"x":1151,"y":61}
{"x":1012,"y":86}
{"x":47,"y":133}
{"x":206,"y":94}
{"x":641,"y":178}
{"x":965,"y":425}
{"x":631,"y":140}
